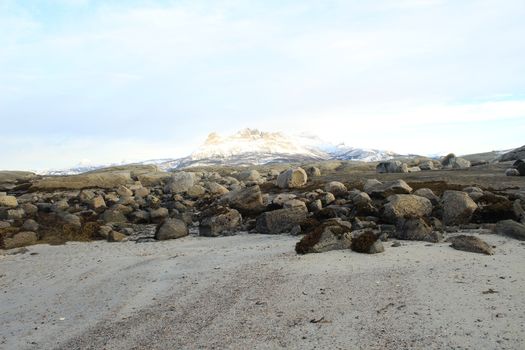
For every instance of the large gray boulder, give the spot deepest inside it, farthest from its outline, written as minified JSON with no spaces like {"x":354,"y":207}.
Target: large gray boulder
{"x":171,"y":229}
{"x":392,"y":166}
{"x":225,"y":221}
{"x":281,"y":220}
{"x":337,"y":188}
{"x":453,"y":162}
{"x":511,"y":229}
{"x":405,"y":206}
{"x":246,"y":200}
{"x":250,"y":175}
{"x":378,"y":189}
{"x":106,"y":180}
{"x":180,"y":182}
{"x":458,"y":208}
{"x":332,"y":234}
{"x":292,"y":178}
{"x":518,"y":153}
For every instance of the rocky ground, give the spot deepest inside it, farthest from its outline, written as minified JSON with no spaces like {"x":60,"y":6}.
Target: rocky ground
{"x":416,"y":254}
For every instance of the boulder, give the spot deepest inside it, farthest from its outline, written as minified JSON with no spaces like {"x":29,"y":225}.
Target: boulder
{"x":474,"y":192}
{"x":391,"y":166}
{"x":512,"y":172}
{"x":383,"y":190}
{"x":30,"y":225}
{"x":280,"y":221}
{"x":281,"y":198}
{"x":124,"y":191}
{"x":250,"y":175}
{"x":114,"y":216}
{"x":470,"y":244}
{"x":336,"y":188}
{"x":196,"y":191}
{"x":511,"y":229}
{"x":11,"y":179}
{"x":154,"y":178}
{"x":171,"y":229}
{"x":247,"y":200}
{"x":115,"y":236}
{"x":106,"y":180}
{"x":427,"y":165}
{"x":453,"y":162}
{"x":15,"y":214}
{"x":216,"y":189}
{"x":292,"y":178}
{"x":158,"y":215}
{"x":405,"y":206}
{"x":225,"y":221}
{"x":416,"y":229}
{"x":8,"y":201}
{"x":521,"y":168}
{"x":141,"y":192}
{"x":428,"y":194}
{"x":19,"y":239}
{"x":518,"y":153}
{"x":458,"y":208}
{"x":367,"y":242}
{"x":313,"y":171}
{"x":180,"y":182}
{"x":98,"y":202}
{"x":333,"y":234}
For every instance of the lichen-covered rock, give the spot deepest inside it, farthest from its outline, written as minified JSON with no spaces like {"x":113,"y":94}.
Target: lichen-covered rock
{"x":8,"y":201}
{"x":337,"y":188}
{"x":333,"y":234}
{"x":458,"y":208}
{"x":292,"y":178}
{"x":280,"y":221}
{"x":171,"y":229}
{"x":405,"y":206}
{"x":428,"y":194}
{"x":470,"y":244}
{"x":225,"y":221}
{"x":383,"y":190}
{"x":216,"y":189}
{"x":20,"y":239}
{"x":367,"y":242}
{"x":247,"y":200}
{"x":313,"y":171}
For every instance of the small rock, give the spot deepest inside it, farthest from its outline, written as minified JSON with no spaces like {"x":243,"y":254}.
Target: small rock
{"x":470,"y":244}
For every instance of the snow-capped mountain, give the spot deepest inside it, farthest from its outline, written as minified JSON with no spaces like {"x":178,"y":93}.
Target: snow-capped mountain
{"x":254,"y":147}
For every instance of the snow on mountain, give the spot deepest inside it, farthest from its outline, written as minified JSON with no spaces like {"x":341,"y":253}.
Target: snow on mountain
{"x":253,"y":147}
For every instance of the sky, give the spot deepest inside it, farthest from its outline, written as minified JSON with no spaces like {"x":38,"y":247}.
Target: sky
{"x":109,"y":81}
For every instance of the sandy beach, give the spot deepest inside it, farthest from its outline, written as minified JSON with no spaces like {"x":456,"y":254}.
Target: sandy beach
{"x":253,"y":291}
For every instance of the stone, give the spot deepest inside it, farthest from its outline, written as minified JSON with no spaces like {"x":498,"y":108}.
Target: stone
{"x":416,"y":229}
{"x":20,"y":239}
{"x":141,"y":192}
{"x":367,"y":242}
{"x":315,"y":205}
{"x":337,"y":188}
{"x":249,"y":175}
{"x":115,"y":236}
{"x":225,"y":221}
{"x":71,"y":219}
{"x":105,"y":180}
{"x":98,"y":202}
{"x":158,"y":215}
{"x":154,"y":178}
{"x":196,"y":191}
{"x":391,"y":166}
{"x":327,"y":198}
{"x":414,"y":169}
{"x":474,"y":192}
{"x":512,"y":172}
{"x":292,"y":178}
{"x":295,"y":203}
{"x":280,"y":221}
{"x":4,"y":224}
{"x":511,"y":228}
{"x":140,"y":217}
{"x":216,"y":189}
{"x":371,"y":184}
{"x":281,"y":198}
{"x":427,"y":165}
{"x":521,"y":169}
{"x":470,"y":244}
{"x":332,"y":234}
{"x":406,"y":206}
{"x":171,"y":229}
{"x":124,"y":191}
{"x":180,"y":182}
{"x":15,"y":214}
{"x":383,"y":190}
{"x":428,"y":194}
{"x":247,"y":200}
{"x":114,"y":216}
{"x":313,"y":171}
{"x":30,"y":225}
{"x":518,"y":153}
{"x":453,"y":162}
{"x":8,"y":201}
{"x":458,"y":208}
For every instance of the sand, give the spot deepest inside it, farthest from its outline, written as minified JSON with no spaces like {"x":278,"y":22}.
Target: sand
{"x":252,"y":291}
